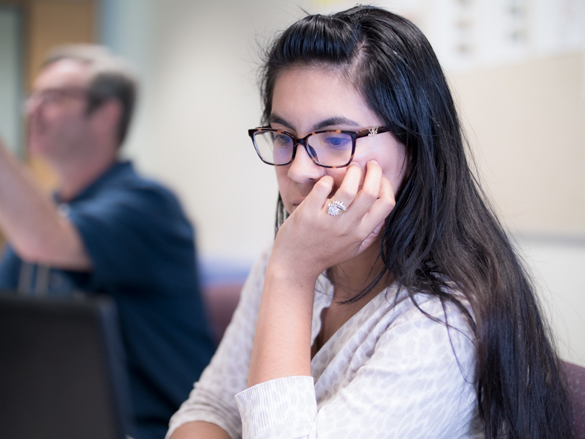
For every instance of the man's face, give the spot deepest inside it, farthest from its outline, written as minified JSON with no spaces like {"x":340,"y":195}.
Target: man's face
{"x":57,"y":123}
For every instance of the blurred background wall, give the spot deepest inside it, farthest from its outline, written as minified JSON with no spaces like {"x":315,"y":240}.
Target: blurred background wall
{"x":517,"y":72}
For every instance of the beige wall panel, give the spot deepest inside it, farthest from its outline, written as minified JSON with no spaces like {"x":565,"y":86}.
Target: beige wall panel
{"x":57,"y":22}
{"x":526,"y":124}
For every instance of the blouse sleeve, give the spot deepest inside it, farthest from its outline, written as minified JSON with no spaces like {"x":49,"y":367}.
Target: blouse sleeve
{"x":416,"y":383}
{"x":212,"y":398}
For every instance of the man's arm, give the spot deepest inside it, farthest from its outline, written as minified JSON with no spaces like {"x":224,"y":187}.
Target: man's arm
{"x":32,"y":223}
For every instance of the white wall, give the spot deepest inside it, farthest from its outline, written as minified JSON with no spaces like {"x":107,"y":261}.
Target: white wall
{"x":201,"y":95}
{"x":198,"y":60}
{"x":557,"y":265}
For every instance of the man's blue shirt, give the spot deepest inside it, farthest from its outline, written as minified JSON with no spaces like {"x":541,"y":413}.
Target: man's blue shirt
{"x":143,"y":255}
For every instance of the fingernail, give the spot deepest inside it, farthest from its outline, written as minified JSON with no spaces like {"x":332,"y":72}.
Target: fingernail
{"x":375,"y":162}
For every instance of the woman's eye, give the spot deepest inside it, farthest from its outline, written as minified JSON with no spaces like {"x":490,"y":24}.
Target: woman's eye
{"x":282,"y":140}
{"x":337,"y":141}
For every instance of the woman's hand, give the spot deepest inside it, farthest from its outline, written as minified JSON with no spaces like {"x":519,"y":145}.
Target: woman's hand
{"x":311,"y":240}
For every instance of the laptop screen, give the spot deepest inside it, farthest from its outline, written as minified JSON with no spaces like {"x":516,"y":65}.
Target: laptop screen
{"x":62,"y":369}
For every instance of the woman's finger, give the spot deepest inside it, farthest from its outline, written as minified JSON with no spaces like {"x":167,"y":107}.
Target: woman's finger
{"x":369,"y":191}
{"x":381,"y":207}
{"x":319,"y":193}
{"x":346,"y":192}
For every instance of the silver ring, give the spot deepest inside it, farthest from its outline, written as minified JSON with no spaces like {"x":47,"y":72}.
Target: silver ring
{"x":336,"y":207}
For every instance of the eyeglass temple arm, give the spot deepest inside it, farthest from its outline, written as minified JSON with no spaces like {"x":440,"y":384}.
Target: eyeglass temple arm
{"x":368,"y":132}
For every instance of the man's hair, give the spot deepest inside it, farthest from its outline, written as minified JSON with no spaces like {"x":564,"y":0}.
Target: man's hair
{"x":112,"y":78}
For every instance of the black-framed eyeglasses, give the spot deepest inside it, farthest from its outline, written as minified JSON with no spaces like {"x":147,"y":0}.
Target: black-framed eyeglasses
{"x":327,"y":148}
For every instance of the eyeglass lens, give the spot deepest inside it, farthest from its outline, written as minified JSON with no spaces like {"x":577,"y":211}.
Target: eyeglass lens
{"x":328,"y":149}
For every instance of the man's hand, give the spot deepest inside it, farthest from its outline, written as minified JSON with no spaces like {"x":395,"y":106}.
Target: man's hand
{"x":31,"y":222}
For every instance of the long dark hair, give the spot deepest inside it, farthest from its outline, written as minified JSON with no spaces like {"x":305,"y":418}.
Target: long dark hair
{"x":442,"y":228}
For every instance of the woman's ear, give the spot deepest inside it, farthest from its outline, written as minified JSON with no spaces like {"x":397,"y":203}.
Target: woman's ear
{"x":408,"y":163}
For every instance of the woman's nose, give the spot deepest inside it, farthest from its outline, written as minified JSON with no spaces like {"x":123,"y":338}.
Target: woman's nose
{"x":303,"y":168}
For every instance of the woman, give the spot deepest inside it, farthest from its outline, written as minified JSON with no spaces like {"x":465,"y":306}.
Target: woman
{"x":391,"y":303}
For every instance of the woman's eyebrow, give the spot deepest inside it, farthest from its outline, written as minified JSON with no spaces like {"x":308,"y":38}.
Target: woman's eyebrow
{"x":332,"y":121}
{"x":274,"y":118}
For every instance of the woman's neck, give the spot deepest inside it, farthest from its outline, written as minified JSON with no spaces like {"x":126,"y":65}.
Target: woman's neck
{"x":349,"y":279}
{"x":353,"y":276}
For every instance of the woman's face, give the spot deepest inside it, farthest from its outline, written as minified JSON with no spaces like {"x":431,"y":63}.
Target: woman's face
{"x":309,"y":98}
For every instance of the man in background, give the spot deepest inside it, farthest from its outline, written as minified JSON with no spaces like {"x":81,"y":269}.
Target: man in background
{"x":107,"y":230}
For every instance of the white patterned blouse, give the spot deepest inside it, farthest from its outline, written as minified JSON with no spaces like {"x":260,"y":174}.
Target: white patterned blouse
{"x":389,"y":372}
